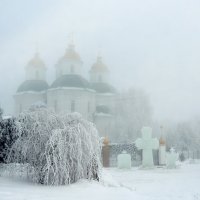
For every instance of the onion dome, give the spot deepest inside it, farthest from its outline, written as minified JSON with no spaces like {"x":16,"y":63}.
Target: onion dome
{"x":162,"y":141}
{"x":71,"y":54}
{"x":36,"y":61}
{"x":71,"y":80}
{"x":33,"y":86}
{"x":99,"y":66}
{"x":101,"y":87}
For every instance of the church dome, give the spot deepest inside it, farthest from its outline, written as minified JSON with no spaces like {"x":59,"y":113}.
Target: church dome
{"x":36,"y":61}
{"x":101,"y":87}
{"x":71,"y":54}
{"x":99,"y":66}
{"x":71,"y":80}
{"x":33,"y":86}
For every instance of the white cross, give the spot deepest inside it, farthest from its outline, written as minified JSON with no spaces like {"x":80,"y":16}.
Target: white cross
{"x":147,"y":144}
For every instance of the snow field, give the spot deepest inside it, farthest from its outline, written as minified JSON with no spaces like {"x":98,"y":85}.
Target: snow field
{"x":157,"y":184}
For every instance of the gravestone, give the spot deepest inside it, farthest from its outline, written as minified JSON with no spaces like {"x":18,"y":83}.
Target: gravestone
{"x":171,"y":159}
{"x":124,"y":160}
{"x":130,"y":148}
{"x":147,"y":144}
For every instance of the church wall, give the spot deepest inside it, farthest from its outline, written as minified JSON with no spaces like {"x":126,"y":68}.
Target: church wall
{"x":61,"y":100}
{"x":24,"y":100}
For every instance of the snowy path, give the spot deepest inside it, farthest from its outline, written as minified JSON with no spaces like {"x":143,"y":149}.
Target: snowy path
{"x":158,"y":184}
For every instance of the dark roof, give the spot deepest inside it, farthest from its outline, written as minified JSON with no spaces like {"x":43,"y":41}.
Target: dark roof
{"x":33,"y":85}
{"x":71,"y":80}
{"x":103,"y":88}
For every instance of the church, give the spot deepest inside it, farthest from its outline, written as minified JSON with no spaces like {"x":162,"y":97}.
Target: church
{"x":95,"y":99}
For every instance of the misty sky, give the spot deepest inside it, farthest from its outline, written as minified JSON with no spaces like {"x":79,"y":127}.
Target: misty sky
{"x":151,"y":45}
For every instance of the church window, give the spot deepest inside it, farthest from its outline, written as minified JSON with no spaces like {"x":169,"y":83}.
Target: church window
{"x":72,"y":106}
{"x":72,"y":69}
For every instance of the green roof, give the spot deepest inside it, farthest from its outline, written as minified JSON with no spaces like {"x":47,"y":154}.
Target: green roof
{"x":71,"y":80}
{"x":33,"y":86}
{"x":103,"y":88}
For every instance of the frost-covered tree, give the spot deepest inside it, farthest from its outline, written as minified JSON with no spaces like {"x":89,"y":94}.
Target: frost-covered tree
{"x":133,"y":112}
{"x":8,"y":132}
{"x":59,"y":149}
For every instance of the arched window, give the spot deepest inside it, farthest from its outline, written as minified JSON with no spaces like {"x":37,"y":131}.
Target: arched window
{"x":72,"y":106}
{"x":72,"y":69}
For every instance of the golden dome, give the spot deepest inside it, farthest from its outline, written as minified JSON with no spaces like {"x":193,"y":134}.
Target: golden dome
{"x":106,"y":141}
{"x":71,"y":54}
{"x":162,"y":141}
{"x":36,"y":61}
{"x":99,"y":66}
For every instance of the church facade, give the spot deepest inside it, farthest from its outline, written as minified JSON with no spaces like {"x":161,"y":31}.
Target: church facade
{"x":70,"y":91}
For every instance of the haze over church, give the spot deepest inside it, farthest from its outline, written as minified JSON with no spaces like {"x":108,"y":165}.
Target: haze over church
{"x":70,"y":91}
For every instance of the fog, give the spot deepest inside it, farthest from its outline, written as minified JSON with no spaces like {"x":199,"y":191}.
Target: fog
{"x":150,"y":45}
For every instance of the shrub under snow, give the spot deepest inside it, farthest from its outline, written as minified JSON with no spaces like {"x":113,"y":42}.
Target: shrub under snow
{"x":58,"y":149}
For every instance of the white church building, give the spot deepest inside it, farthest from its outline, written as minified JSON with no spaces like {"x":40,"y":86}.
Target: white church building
{"x":70,"y":91}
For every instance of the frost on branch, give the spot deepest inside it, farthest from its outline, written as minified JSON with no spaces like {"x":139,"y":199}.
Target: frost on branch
{"x":59,"y":149}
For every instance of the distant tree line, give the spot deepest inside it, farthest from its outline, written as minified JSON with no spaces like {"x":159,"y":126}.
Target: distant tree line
{"x":133,"y":111}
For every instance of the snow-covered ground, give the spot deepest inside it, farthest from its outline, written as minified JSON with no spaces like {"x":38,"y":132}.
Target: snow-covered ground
{"x":158,"y":184}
